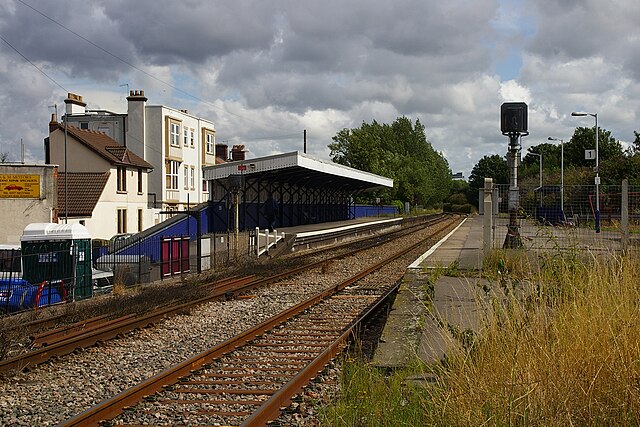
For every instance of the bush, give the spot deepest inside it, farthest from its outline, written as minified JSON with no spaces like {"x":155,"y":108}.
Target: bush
{"x":465,"y":208}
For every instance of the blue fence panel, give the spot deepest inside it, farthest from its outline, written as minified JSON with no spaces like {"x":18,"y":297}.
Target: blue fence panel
{"x":360,"y":211}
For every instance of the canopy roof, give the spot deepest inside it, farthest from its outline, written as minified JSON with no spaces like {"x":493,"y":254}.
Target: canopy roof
{"x":298,"y":168}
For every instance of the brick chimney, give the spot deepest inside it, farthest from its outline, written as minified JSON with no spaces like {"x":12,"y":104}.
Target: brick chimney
{"x":222,"y":152}
{"x":237,"y":152}
{"x":53,"y":124}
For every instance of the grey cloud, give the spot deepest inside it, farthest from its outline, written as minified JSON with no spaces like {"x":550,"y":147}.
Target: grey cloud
{"x":581,"y":29}
{"x":166,"y":32}
{"x":41,"y":40}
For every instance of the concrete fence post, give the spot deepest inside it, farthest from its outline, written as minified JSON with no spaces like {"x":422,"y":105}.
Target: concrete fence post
{"x":487,"y":224}
{"x":624,"y":216}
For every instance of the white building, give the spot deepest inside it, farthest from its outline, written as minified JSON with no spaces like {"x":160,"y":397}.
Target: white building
{"x":177,"y":144}
{"x":101,"y":184}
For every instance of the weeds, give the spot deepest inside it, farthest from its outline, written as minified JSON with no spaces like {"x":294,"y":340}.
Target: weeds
{"x":565,"y":353}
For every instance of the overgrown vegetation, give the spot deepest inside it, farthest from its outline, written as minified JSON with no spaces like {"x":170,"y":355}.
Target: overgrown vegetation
{"x":564,"y":353}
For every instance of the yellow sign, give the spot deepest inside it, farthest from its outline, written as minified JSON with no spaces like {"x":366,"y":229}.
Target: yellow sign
{"x":14,"y":186}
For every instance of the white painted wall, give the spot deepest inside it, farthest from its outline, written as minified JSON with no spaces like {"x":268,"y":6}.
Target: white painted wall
{"x":104,"y":222}
{"x":156,"y":153}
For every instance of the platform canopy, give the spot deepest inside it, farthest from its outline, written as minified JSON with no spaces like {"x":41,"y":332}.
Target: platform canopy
{"x":298,"y":168}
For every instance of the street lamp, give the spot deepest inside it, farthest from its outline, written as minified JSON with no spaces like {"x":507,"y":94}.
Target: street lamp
{"x":597,"y":180}
{"x":561,"y":176}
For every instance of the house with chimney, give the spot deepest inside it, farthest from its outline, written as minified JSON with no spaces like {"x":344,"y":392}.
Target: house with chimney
{"x":101,"y":184}
{"x":178,"y":145}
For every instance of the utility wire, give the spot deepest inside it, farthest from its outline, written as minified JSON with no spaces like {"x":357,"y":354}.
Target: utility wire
{"x":141,"y":70}
{"x":34,"y":65}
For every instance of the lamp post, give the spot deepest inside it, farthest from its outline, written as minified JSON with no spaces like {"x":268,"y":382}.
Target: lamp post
{"x":561,"y":176}
{"x":597,"y":179}
{"x":539,"y":157}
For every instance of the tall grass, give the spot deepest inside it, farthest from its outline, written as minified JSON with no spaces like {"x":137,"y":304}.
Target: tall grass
{"x":567,"y":353}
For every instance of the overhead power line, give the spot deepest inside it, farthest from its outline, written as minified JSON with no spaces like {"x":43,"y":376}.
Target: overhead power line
{"x":141,"y":70}
{"x":34,"y":65}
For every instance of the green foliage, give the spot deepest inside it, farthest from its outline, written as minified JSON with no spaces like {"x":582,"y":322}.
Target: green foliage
{"x":635,"y":149}
{"x":615,"y":163}
{"x":495,"y":167}
{"x":369,"y":398}
{"x":458,"y":199}
{"x":613,"y":171}
{"x":584,"y":139}
{"x":399,"y":151}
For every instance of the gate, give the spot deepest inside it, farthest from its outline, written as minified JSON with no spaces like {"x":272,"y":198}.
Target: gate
{"x":174,"y":255}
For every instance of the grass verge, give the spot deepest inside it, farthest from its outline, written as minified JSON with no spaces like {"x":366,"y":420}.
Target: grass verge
{"x":567,"y":353}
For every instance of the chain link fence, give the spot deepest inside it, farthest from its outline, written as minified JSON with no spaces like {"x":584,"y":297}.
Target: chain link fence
{"x":553,"y":217}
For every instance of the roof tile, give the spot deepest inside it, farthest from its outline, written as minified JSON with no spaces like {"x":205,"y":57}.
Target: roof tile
{"x":85,"y":189}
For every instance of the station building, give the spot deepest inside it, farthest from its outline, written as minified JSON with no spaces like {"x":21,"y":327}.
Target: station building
{"x":307,"y":191}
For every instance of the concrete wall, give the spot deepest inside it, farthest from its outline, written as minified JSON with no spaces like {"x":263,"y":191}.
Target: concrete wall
{"x":114,"y":126}
{"x":17,"y":213}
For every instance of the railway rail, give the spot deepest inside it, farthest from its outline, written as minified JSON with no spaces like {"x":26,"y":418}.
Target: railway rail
{"x":248,"y":378}
{"x":64,"y":340}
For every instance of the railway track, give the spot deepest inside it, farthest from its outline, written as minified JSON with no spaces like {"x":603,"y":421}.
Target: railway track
{"x":64,"y":340}
{"x":248,"y":378}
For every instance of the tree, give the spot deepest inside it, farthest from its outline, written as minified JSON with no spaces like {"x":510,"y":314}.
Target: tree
{"x":4,"y":157}
{"x":399,"y":151}
{"x":584,"y":139}
{"x":495,"y":167}
{"x":551,"y":156}
{"x":635,"y":145}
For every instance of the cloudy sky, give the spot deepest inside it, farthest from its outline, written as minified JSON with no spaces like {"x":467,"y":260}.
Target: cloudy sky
{"x":265,"y":70}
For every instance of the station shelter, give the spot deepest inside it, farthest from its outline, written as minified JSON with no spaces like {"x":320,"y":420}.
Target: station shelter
{"x":306,"y":191}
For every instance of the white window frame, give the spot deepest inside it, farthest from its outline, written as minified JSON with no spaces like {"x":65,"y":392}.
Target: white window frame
{"x":193,"y":137}
{"x":174,"y":134}
{"x":172,"y":170}
{"x":193,"y":177}
{"x":210,"y":142}
{"x":185,"y":136}
{"x":186,"y":177}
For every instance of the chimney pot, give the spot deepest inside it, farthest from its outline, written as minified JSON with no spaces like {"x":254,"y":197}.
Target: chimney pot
{"x":53,"y":124}
{"x":237,"y":152}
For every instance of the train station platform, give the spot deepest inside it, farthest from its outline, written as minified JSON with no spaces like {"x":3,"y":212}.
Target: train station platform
{"x":291,"y":239}
{"x":429,"y":318}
